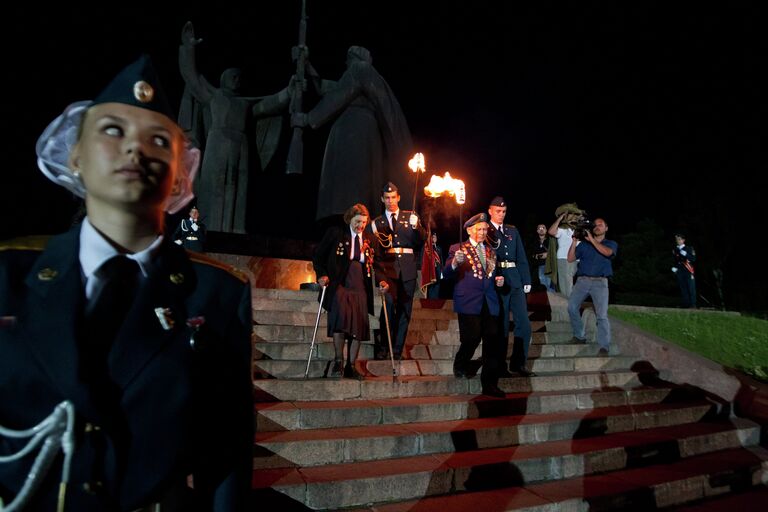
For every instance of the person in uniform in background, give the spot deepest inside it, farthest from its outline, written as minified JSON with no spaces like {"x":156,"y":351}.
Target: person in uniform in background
{"x":512,"y":263}
{"x":151,"y":345}
{"x":399,"y":234}
{"x":433,"y":291}
{"x":473,"y":265}
{"x":685,"y":256}
{"x":540,"y":254}
{"x":191,"y":232}
{"x":343,"y":262}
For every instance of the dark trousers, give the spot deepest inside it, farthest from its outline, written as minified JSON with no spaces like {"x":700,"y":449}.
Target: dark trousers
{"x":399,"y":303}
{"x":687,"y":284}
{"x":514,"y":299}
{"x":473,"y":329}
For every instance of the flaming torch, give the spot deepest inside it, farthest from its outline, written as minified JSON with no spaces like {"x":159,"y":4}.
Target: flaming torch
{"x":417,"y":165}
{"x":448,"y":186}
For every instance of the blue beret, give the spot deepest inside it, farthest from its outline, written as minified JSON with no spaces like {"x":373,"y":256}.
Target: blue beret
{"x":480,"y":217}
{"x":137,"y":85}
{"x":498,"y":201}
{"x":389,"y":187}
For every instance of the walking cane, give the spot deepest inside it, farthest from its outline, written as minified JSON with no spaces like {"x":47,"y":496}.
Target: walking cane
{"x":314,"y":333}
{"x":389,"y":337}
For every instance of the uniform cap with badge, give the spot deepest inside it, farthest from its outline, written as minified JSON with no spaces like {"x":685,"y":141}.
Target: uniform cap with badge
{"x":137,"y":85}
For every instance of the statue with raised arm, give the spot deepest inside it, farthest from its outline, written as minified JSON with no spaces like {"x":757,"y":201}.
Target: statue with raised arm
{"x":369,"y":142}
{"x":222,"y":185}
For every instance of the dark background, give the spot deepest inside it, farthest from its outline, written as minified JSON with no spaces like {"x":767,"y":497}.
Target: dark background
{"x":650,"y":113}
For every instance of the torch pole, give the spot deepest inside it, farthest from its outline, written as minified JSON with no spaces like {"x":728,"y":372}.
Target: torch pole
{"x":461,"y":231}
{"x":415,"y":191}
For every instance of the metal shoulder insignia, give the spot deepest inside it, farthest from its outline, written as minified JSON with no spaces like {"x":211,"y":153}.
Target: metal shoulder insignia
{"x":25,"y":243}
{"x":197,"y":257}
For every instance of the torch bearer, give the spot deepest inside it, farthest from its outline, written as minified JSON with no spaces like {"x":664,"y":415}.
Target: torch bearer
{"x":417,"y":165}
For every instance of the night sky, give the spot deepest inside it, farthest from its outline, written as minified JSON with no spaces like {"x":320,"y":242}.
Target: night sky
{"x":624,"y":108}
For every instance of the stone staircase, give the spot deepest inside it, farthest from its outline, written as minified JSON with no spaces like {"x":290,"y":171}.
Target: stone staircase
{"x":586,"y":433}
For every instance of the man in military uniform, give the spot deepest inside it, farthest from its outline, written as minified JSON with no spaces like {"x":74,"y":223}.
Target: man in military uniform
{"x":399,"y":233}
{"x":512,"y":263}
{"x":473,"y":265}
{"x":685,"y":256}
{"x":191,"y":232}
{"x":149,"y":344}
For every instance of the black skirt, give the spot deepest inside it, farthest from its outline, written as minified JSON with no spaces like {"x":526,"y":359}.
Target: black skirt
{"x":349,"y":308}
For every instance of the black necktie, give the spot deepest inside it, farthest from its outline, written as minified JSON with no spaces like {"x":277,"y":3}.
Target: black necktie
{"x":356,"y":252}
{"x":106,"y":311}
{"x":394,"y":222}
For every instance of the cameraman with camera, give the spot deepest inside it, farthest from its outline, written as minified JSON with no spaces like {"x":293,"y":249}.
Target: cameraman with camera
{"x":594,"y":255}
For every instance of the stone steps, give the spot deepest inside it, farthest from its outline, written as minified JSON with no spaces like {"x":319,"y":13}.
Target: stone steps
{"x":586,"y":433}
{"x":336,"y":486}
{"x":668,"y":486}
{"x":294,"y":369}
{"x":317,"y":447}
{"x":300,"y":415}
{"x":270,"y":390}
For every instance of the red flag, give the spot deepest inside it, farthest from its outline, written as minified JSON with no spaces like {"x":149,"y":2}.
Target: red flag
{"x":429,"y":258}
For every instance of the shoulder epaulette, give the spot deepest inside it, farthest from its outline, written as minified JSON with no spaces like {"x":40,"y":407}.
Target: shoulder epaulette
{"x":25,"y":243}
{"x":207,"y":260}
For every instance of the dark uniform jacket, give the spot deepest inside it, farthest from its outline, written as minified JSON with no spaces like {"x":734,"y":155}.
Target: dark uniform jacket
{"x":510,"y":248}
{"x":331,"y":258}
{"x":392,"y":265}
{"x":473,"y":284}
{"x":174,"y":409}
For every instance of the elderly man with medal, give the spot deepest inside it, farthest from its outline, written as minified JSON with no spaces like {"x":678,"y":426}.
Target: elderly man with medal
{"x":473,"y":266}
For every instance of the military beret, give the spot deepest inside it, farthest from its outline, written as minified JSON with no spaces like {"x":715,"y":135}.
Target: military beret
{"x":389,"y":187}
{"x":137,"y":85}
{"x":480,"y":217}
{"x":681,"y":235}
{"x":498,"y":201}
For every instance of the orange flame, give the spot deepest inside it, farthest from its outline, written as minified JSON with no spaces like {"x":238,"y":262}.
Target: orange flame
{"x":446,"y":186}
{"x":417,"y":163}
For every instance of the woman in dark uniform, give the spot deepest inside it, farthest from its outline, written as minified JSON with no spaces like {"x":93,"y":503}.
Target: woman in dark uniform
{"x":343,"y":262}
{"x":149,"y":345}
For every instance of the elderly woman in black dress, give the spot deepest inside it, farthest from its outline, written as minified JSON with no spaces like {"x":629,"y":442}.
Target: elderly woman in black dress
{"x":343,"y":262}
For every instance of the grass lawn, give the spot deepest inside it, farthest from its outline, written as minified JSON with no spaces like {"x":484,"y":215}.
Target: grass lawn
{"x":735,"y":341}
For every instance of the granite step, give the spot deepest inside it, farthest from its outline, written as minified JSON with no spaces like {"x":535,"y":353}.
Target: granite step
{"x":298,"y":415}
{"x":270,"y":390}
{"x":317,"y":447}
{"x":668,"y":486}
{"x":323,"y":350}
{"x":293,"y":369}
{"x":360,"y":483}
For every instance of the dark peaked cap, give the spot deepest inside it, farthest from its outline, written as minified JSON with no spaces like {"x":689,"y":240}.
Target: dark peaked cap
{"x":389,"y":187}
{"x":137,"y":85}
{"x":480,"y":217}
{"x":498,"y":201}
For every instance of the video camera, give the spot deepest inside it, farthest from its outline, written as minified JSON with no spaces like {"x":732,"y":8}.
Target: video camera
{"x":580,"y":227}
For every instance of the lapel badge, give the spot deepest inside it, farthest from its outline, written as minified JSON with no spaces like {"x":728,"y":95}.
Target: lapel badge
{"x":177,"y":278}
{"x":47,"y":274}
{"x":165,"y":315}
{"x":7,"y":321}
{"x":196,"y":341}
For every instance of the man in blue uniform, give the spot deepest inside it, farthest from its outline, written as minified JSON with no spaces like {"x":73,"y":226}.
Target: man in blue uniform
{"x":148,"y":343}
{"x":399,"y":234}
{"x":512,"y":263}
{"x":473,"y":265}
{"x":685,"y":256}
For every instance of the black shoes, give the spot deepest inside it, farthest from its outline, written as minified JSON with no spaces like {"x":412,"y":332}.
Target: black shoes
{"x":523,"y":371}
{"x":494,"y":391}
{"x":459,"y":373}
{"x":336,"y":368}
{"x":350,"y":372}
{"x":578,"y":341}
{"x":603,"y":352}
{"x":506,"y":374}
